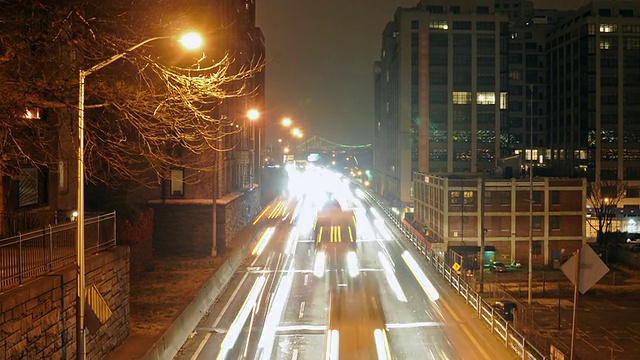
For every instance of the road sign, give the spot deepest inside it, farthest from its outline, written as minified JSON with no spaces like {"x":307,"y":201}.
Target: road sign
{"x":592,"y":269}
{"x":456,"y":266}
{"x":99,"y":312}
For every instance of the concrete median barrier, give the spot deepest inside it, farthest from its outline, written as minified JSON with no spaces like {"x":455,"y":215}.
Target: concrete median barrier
{"x":172,"y":340}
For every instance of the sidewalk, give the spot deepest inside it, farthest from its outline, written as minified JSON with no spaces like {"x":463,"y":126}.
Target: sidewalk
{"x":171,"y":286}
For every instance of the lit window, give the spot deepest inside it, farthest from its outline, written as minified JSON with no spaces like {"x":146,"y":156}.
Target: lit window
{"x":608,"y":28}
{"x":504,"y":100}
{"x":438,"y":24}
{"x":469,"y":198}
{"x":63,"y":182}
{"x":486,"y":98}
{"x":461,"y":97}
{"x":177,"y":182}
{"x":528,"y":152}
{"x":515,"y":74}
{"x":31,"y":113}
{"x":605,"y":44}
{"x":632,"y":43}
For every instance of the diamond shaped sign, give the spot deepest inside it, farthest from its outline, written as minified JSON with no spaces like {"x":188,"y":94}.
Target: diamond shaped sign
{"x":592,"y":269}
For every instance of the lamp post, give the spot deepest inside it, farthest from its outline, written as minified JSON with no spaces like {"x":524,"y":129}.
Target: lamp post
{"x":190,"y":41}
{"x":253,"y":115}
{"x":530,"y":275}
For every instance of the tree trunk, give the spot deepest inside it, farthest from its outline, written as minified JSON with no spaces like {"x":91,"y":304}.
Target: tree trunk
{"x":3,"y":207}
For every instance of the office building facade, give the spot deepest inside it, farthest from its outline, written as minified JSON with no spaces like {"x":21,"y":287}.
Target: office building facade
{"x":441,"y":93}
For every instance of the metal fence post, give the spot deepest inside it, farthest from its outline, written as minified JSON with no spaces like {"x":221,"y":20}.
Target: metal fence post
{"x":50,"y":248}
{"x":19,"y":258}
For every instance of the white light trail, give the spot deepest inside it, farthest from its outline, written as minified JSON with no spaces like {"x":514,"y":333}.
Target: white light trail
{"x":333,"y":345}
{"x":424,"y":282}
{"x":293,"y":238}
{"x":352,"y":264}
{"x":382,"y":344}
{"x":271,"y":322}
{"x":236,"y":326}
{"x":262,"y":242}
{"x":391,"y":277}
{"x":319,"y":264}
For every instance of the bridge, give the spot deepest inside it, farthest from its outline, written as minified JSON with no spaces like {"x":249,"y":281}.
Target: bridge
{"x":319,"y":144}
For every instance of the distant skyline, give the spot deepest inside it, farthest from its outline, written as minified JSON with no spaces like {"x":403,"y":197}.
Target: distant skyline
{"x":319,"y":62}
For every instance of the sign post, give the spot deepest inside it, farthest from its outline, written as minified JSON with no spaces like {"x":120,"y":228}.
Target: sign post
{"x":584,"y":269}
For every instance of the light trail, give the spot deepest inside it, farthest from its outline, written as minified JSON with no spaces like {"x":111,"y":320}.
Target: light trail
{"x":236,"y":326}
{"x":262,"y":242}
{"x":424,"y":282}
{"x":382,"y":344}
{"x":391,"y":277}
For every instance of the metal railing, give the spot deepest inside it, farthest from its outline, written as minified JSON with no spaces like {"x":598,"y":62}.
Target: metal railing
{"x":15,"y":222}
{"x":26,"y":256}
{"x":500,"y":327}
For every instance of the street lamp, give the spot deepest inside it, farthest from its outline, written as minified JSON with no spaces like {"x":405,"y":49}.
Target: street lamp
{"x":189,"y":41}
{"x":286,"y":122}
{"x":253,"y":115}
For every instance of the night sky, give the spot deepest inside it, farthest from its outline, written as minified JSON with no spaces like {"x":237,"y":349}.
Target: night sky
{"x":320,"y":58}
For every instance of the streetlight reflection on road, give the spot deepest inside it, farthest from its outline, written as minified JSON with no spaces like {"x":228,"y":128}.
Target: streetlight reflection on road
{"x":190,"y":41}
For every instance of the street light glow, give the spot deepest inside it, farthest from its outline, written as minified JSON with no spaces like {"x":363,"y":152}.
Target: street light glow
{"x":191,"y":40}
{"x":286,"y":122}
{"x":253,"y":114}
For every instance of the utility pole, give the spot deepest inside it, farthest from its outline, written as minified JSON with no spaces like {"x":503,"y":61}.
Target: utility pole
{"x":214,"y":197}
{"x":481,"y":198}
{"x":530,"y":277}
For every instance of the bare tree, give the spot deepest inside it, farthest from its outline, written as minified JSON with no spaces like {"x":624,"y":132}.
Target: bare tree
{"x":153,"y":110}
{"x":604,"y":196}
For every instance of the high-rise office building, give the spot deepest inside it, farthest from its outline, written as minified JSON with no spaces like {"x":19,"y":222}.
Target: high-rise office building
{"x":594,"y":62}
{"x":441,"y":93}
{"x":460,"y":85}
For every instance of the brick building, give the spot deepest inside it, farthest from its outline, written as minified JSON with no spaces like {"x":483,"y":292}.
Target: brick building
{"x":449,"y":211}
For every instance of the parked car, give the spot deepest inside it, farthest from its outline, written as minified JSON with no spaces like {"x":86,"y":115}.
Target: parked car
{"x":497,"y":266}
{"x":506,"y":309}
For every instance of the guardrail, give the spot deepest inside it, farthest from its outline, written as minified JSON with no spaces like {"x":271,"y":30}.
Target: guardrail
{"x":26,"y":256}
{"x":499,"y":326}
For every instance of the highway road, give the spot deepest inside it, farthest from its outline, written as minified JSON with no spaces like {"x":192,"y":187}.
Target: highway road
{"x":282,"y":304}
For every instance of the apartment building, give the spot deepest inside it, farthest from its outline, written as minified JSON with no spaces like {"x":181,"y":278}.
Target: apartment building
{"x":453,"y":209}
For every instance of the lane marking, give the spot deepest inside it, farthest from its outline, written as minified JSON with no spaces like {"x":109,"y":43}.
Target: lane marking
{"x":301,"y":313}
{"x":222,"y":312}
{"x":306,"y":279}
{"x":466,"y":331}
{"x":308,"y":252}
{"x":297,"y":328}
{"x":295,"y":354}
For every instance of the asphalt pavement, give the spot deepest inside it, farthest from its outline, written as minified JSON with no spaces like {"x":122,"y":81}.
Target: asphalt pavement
{"x":276,"y":307}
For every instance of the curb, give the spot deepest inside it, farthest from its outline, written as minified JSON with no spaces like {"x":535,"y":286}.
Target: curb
{"x":168,"y":345}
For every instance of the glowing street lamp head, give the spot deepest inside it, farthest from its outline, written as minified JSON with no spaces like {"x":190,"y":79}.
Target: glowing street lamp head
{"x":286,"y":150}
{"x":191,"y":41}
{"x":286,"y":122}
{"x":279,"y":140}
{"x":253,"y":114}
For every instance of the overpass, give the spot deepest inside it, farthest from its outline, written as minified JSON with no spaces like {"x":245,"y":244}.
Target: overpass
{"x":319,"y":144}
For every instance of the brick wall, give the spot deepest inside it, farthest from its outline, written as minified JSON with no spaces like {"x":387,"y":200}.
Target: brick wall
{"x":38,"y":318}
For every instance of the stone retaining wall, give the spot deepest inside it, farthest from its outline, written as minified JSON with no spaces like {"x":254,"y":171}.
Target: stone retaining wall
{"x":38,"y":318}
{"x":182,"y":227}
